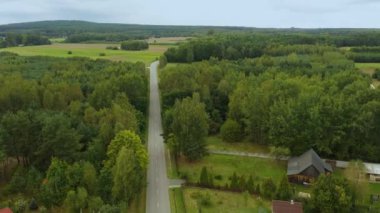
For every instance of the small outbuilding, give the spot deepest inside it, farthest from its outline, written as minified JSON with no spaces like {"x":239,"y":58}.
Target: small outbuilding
{"x":307,"y":167}
{"x":279,"y":206}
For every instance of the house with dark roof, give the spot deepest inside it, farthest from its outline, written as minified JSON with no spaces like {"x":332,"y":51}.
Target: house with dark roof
{"x":279,"y":206}
{"x":307,"y":167}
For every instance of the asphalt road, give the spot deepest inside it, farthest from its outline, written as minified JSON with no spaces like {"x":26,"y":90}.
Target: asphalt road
{"x":157,"y":200}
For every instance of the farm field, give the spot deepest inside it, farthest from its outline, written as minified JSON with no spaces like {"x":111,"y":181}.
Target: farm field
{"x":222,"y":202}
{"x":90,"y":51}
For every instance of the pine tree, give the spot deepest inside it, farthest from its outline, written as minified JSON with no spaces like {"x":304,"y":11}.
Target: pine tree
{"x":203,"y":179}
{"x":268,"y":188}
{"x":242,"y":183}
{"x":284,"y":191}
{"x":234,"y":185}
{"x":250,"y":185}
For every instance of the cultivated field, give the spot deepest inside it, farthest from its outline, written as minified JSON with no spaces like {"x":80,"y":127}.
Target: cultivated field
{"x":91,"y":51}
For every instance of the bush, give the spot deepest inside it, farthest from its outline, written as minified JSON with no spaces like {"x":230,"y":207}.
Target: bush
{"x":19,"y":206}
{"x":18,"y":182}
{"x":33,"y":205}
{"x":109,"y":209}
{"x":205,"y":200}
{"x":102,"y":54}
{"x":218,"y":177}
{"x":268,"y":188}
{"x":376,"y":74}
{"x":231,"y":131}
{"x":163,"y":61}
{"x":112,"y":48}
{"x":69,"y":52}
{"x":134,"y":45}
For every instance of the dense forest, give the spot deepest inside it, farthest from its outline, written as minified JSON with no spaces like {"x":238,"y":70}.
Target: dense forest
{"x":75,"y":129}
{"x":248,"y":45}
{"x":297,"y":96}
{"x":82,"y":31}
{"x":12,"y":40}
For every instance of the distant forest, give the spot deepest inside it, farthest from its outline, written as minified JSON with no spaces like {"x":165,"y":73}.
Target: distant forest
{"x":82,"y":31}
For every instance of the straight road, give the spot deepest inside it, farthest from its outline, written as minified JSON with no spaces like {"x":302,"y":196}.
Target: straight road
{"x":157,"y":200}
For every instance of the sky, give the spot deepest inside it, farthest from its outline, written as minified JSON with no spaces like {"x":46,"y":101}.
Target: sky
{"x":249,"y":13}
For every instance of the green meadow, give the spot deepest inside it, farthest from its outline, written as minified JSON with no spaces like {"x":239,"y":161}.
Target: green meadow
{"x":93,"y":51}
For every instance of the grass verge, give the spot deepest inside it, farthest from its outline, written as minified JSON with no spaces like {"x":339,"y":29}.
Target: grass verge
{"x":177,"y":204}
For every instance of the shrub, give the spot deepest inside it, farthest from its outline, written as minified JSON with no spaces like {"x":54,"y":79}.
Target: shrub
{"x":112,"y":48}
{"x":33,"y":205}
{"x":163,"y":61}
{"x":69,"y":52}
{"x":231,"y":131}
{"x":376,"y":74}
{"x":102,"y":54}
{"x":205,"y":200}
{"x":268,"y":188}
{"x":218,"y":177}
{"x":134,"y":45}
{"x":19,"y":206}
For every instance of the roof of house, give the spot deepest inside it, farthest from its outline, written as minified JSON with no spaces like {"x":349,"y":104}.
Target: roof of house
{"x":279,"y":206}
{"x":298,"y":164}
{"x":6,"y":210}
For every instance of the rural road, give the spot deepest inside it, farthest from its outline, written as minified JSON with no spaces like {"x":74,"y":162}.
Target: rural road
{"x":157,"y":200}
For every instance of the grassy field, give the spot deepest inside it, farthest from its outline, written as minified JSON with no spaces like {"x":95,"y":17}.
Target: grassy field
{"x":226,"y":165}
{"x":167,"y":40}
{"x":177,"y":203}
{"x":90,"y":51}
{"x":221,"y":202}
{"x":216,"y":143}
{"x":57,"y":40}
{"x":369,"y":68}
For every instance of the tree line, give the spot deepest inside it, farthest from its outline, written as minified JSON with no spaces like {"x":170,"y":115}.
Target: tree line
{"x":73,"y":126}
{"x":134,"y":45}
{"x":12,"y":40}
{"x":251,"y":45}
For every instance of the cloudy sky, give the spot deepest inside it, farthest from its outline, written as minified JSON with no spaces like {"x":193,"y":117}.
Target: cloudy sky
{"x":263,"y":13}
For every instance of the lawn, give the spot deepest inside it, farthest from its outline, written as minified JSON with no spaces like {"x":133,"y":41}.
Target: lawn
{"x":374,"y":188}
{"x":221,"y":202}
{"x":226,"y":165}
{"x":216,"y":143}
{"x":91,"y":51}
